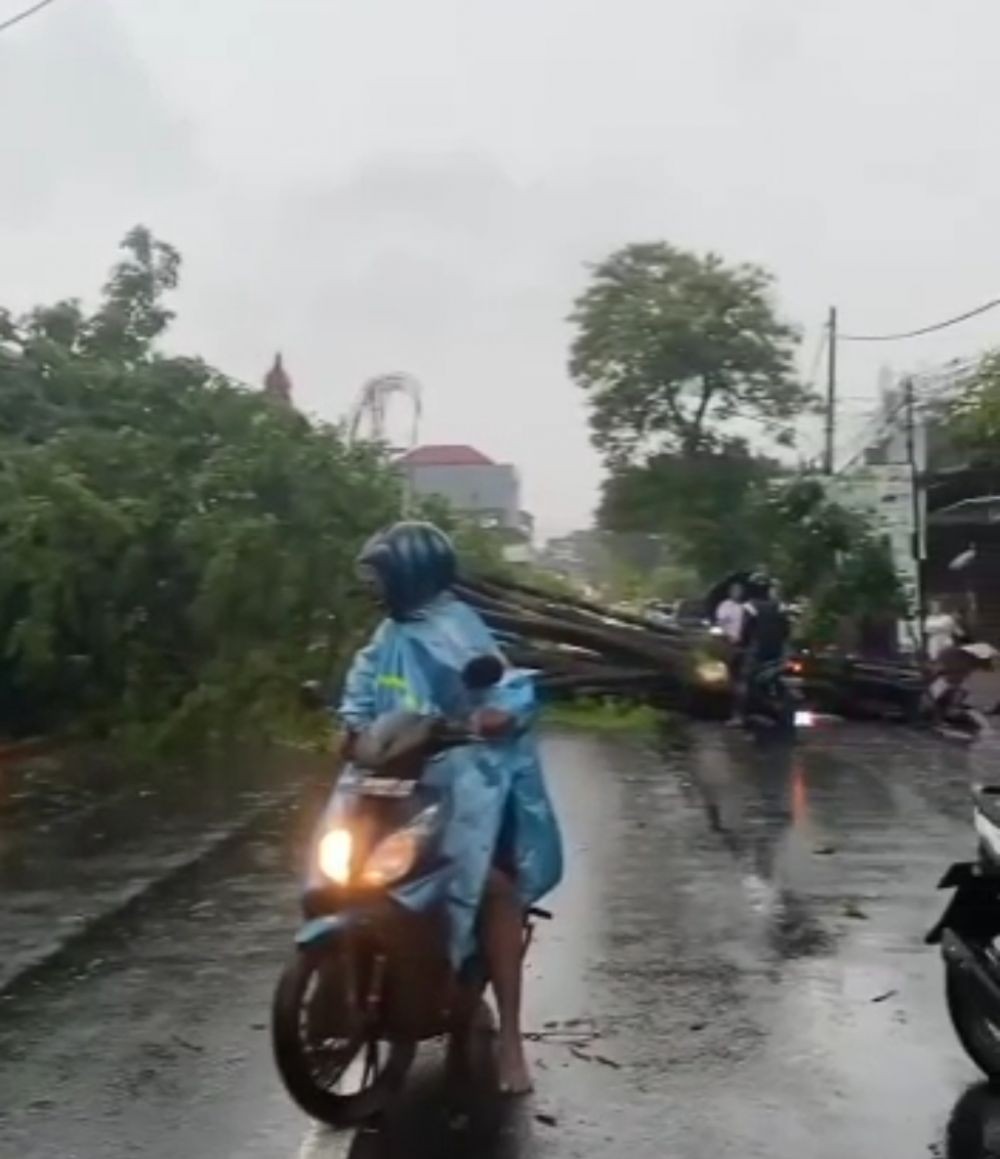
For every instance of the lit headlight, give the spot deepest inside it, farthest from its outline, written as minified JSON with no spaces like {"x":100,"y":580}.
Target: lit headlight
{"x":334,"y":855}
{"x":394,"y":856}
{"x":711,"y":672}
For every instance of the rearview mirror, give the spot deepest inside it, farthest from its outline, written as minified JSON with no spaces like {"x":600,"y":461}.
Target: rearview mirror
{"x":482,"y":672}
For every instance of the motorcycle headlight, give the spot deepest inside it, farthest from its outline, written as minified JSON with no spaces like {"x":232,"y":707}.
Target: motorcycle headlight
{"x":334,"y":855}
{"x":395,"y":855}
{"x":711,"y":672}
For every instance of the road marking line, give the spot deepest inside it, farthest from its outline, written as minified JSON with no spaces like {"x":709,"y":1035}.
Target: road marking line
{"x":324,"y":1143}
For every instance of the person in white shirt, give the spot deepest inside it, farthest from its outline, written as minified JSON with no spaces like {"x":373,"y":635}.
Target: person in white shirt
{"x":942,"y":630}
{"x":730,"y":614}
{"x":730,"y":618}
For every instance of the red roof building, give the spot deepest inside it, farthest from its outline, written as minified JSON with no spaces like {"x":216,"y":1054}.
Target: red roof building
{"x":446,"y":455}
{"x":471,"y":482}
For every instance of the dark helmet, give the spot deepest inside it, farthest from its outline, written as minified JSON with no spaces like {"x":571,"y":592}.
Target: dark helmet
{"x":410,"y":564}
{"x":759,"y":585}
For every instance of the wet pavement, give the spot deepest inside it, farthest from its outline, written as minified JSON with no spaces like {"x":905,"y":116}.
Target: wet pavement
{"x":736,"y":968}
{"x":81,"y":838}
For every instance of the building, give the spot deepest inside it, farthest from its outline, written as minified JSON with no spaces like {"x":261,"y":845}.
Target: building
{"x":958,"y":507}
{"x":472,"y":483}
{"x":277,"y":384}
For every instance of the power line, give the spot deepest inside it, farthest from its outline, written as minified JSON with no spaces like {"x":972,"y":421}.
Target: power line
{"x":884,"y":422}
{"x":923,"y":329}
{"x":12,"y":20}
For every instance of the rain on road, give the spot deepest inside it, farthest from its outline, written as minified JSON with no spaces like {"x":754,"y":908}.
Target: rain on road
{"x":735,"y":968}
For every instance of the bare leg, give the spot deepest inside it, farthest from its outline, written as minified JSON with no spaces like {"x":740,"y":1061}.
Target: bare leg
{"x":503,"y":942}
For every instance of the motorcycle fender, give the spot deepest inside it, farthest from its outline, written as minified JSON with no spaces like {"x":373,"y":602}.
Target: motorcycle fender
{"x":975,"y":906}
{"x":425,"y":892}
{"x":319,"y":931}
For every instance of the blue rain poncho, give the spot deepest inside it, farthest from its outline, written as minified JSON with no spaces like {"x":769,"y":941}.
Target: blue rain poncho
{"x":500,"y":812}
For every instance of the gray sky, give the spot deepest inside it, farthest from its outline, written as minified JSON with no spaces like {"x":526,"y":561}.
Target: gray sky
{"x":375,"y":185}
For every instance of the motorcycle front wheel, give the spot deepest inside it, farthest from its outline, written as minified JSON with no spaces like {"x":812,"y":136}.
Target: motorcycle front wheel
{"x":978,"y":1034}
{"x":338,"y":1073}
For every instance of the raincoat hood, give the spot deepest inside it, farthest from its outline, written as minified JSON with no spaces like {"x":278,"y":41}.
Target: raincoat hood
{"x":413,"y":563}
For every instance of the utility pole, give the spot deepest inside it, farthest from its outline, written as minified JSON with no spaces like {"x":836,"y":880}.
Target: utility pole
{"x":916,"y":482}
{"x":831,"y":391}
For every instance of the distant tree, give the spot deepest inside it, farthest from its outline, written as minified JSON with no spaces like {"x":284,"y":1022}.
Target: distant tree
{"x":672,"y":346}
{"x":972,"y":422}
{"x":700,"y":503}
{"x":831,"y":556}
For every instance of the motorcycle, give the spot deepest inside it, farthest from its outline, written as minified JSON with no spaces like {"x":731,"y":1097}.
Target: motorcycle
{"x":947,"y":705}
{"x":370,"y":976}
{"x":774,"y":698}
{"x":951,"y":714}
{"x":968,"y":934}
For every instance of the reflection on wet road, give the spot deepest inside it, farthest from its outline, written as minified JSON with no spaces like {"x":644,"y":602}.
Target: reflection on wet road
{"x":735,"y":968}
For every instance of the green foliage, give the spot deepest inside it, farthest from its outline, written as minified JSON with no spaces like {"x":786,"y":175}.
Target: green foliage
{"x":972,"y":423}
{"x":606,"y":716}
{"x":177,"y":552}
{"x":671,"y":346}
{"x":832,"y":557}
{"x":700,"y":503}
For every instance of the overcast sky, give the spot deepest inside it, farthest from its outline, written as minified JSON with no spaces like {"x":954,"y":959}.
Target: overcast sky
{"x":377,"y":185}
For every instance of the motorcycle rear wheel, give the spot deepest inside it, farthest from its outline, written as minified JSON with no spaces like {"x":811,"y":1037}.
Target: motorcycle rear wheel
{"x":313,"y":1069}
{"x":978,"y":1034}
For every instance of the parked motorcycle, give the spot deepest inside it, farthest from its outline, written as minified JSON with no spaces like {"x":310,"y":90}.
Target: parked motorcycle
{"x":951,"y":714}
{"x":370,"y":976}
{"x":968,"y":934}
{"x":947,"y":705}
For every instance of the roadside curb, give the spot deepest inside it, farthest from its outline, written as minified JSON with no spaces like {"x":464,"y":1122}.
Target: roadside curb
{"x":31,"y":965}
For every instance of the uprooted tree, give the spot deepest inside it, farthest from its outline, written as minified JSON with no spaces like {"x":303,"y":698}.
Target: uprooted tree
{"x":176,"y":551}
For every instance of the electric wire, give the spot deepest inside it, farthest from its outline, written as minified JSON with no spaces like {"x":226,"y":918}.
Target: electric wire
{"x":923,"y":329}
{"x":24,"y":14}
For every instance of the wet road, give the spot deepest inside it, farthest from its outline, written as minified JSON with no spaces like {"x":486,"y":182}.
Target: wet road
{"x":736,"y":968}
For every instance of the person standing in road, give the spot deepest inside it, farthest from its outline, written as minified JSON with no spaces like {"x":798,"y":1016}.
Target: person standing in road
{"x":942,"y":630}
{"x":729,"y":615}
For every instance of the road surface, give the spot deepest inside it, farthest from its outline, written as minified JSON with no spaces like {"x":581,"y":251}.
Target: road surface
{"x":735,"y":968}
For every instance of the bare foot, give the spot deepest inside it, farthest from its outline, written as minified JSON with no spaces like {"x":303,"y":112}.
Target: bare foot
{"x":470,"y":1036}
{"x":512,"y":1068}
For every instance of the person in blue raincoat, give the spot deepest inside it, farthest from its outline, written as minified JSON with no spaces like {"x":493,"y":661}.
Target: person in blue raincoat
{"x":502,"y":834}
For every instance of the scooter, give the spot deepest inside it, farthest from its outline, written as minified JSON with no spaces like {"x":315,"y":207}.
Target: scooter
{"x":774,"y":700}
{"x":947,"y":705}
{"x":951,"y":714}
{"x":968,"y":934}
{"x":370,"y":977}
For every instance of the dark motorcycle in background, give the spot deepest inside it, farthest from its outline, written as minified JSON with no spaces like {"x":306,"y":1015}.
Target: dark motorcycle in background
{"x":968,"y":934}
{"x":370,"y":976}
{"x":947,"y":703}
{"x":775,"y":701}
